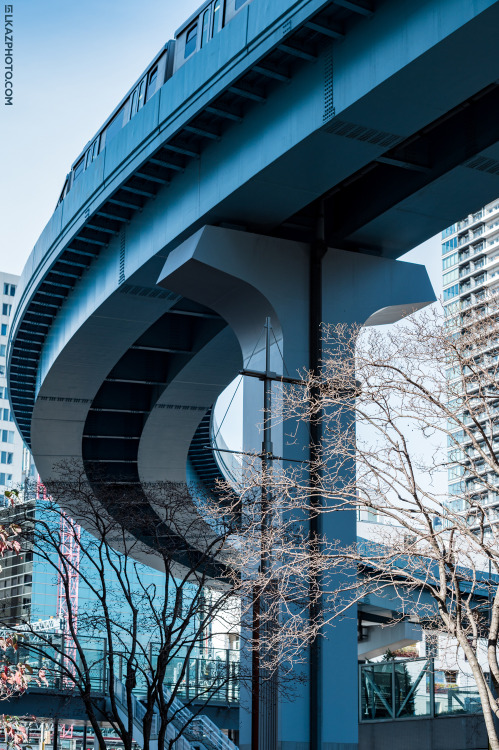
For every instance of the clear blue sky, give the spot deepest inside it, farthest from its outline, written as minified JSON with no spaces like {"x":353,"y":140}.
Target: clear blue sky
{"x":73,"y":61}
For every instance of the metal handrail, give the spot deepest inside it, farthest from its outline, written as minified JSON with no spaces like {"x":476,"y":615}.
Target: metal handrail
{"x":198,"y":728}
{"x":138,"y":709}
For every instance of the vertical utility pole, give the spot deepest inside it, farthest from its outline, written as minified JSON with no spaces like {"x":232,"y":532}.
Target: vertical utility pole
{"x":268,"y":677}
{"x":55,"y":738}
{"x":317,"y":253}
{"x":255,"y":673}
{"x":264,"y":682}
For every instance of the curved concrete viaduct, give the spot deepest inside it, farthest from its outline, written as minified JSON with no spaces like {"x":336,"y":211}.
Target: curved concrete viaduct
{"x":281,"y":171}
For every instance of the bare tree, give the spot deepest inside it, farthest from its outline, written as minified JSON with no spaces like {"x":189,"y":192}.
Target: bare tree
{"x":208,"y":553}
{"x":136,"y":631}
{"x":209,"y":579}
{"x":14,"y":674}
{"x":400,"y":409}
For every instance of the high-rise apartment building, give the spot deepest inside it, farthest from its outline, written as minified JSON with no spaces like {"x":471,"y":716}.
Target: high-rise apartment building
{"x":470,"y":263}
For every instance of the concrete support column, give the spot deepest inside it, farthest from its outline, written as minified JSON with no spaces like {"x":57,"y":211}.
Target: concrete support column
{"x":245,"y":278}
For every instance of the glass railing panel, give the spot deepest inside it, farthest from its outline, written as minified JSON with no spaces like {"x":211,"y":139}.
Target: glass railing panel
{"x":412,"y":688}
{"x":377,"y":691}
{"x":174,"y":678}
{"x":452,"y":699}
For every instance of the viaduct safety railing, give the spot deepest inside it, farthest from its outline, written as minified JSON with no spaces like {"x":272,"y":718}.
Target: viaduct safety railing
{"x":209,"y":675}
{"x":412,"y":688}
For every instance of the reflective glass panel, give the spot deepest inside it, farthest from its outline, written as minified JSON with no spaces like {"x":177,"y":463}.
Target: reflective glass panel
{"x":151,"y":85}
{"x":206,"y":27}
{"x":191,"y":40}
{"x":216,"y":18}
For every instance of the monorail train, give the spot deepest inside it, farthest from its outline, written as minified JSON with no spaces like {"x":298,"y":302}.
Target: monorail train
{"x":194,"y":34}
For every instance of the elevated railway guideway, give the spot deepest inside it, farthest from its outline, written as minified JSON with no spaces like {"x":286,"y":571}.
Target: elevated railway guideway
{"x":274,"y":159}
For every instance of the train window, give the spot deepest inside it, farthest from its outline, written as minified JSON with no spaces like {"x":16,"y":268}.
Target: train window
{"x":133,"y":106}
{"x":142,"y":91}
{"x":78,"y":169}
{"x":151,"y":83}
{"x":191,"y":40}
{"x":114,"y":126}
{"x":239,"y":4}
{"x":215,"y":27}
{"x":205,"y":35}
{"x":92,"y":152}
{"x":64,"y":191}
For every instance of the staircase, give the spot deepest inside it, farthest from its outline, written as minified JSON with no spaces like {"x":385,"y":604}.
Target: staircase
{"x":200,"y":733}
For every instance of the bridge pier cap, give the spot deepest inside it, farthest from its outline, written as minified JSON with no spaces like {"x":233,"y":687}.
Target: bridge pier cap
{"x":246,"y":277}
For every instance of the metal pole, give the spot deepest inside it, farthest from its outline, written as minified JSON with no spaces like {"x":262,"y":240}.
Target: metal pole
{"x":432,"y":687}
{"x":317,"y":252}
{"x":268,"y":677}
{"x":255,"y":674}
{"x":264,"y":684}
{"x":266,"y":449}
{"x":55,"y":740}
{"x":84,"y":736}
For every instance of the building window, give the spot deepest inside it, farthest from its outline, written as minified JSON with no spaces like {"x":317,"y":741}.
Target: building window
{"x":9,"y":289}
{"x":4,"y":329}
{"x":7,"y":436}
{"x":2,"y":369}
{"x":451,"y":260}
{"x":191,"y":40}
{"x":452,"y":291}
{"x":6,"y":309}
{"x":5,"y":457}
{"x":449,"y":245}
{"x":450,"y":276}
{"x":6,"y":414}
{"x":3,"y":392}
